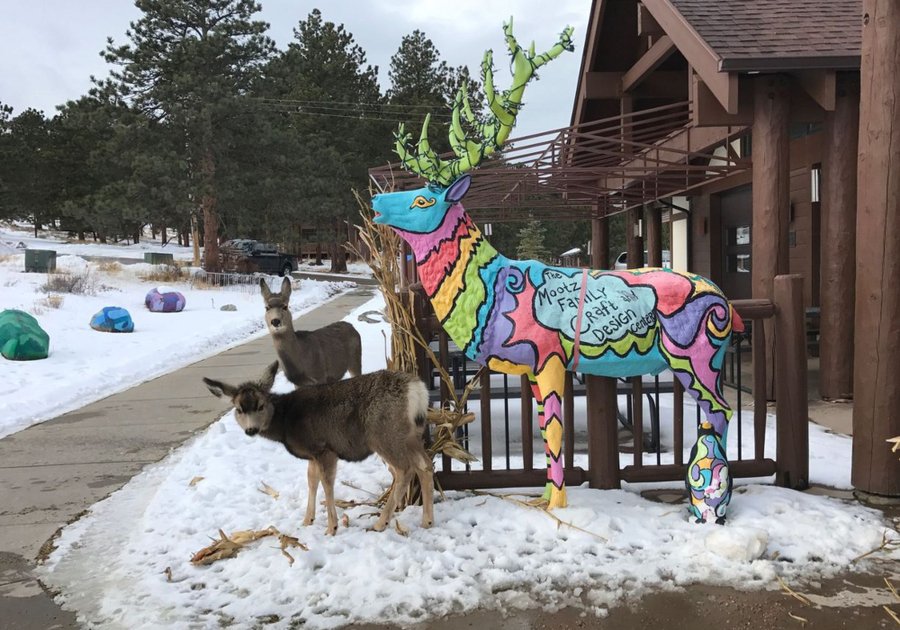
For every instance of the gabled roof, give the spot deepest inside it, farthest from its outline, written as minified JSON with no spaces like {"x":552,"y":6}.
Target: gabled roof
{"x":759,"y":35}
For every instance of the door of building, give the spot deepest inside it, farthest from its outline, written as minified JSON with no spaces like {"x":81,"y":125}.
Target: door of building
{"x":737,"y":216}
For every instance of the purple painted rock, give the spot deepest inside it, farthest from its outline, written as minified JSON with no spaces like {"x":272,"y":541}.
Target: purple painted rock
{"x":164,"y":301}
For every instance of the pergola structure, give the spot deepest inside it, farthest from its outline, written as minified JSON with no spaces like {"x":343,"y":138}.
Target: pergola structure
{"x":590,"y":170}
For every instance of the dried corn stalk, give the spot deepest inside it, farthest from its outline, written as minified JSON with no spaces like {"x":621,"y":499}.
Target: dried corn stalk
{"x":384,"y":246}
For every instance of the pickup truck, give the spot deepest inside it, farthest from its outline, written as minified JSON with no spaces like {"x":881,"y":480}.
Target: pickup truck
{"x":248,"y":256}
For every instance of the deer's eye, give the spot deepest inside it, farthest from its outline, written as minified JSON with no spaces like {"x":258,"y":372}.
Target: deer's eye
{"x":423,"y":202}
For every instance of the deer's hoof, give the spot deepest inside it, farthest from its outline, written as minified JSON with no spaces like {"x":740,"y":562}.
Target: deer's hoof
{"x":331,"y":530}
{"x":427,"y":524}
{"x":379,"y":526}
{"x":307,"y":522}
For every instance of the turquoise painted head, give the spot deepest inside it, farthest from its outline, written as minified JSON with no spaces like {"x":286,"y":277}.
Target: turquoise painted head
{"x":419,"y":211}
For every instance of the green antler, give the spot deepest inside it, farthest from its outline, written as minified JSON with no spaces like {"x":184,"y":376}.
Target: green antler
{"x":493,"y":133}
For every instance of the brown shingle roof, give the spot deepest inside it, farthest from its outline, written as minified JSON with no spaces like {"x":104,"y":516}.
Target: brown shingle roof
{"x":778,"y":34}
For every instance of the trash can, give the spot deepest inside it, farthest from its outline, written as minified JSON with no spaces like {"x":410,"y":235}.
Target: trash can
{"x":40,"y":260}
{"x":156,"y":258}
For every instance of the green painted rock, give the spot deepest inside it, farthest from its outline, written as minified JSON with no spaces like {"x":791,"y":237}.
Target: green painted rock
{"x":21,"y":337}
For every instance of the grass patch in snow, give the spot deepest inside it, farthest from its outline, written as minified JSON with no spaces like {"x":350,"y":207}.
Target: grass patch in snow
{"x":80,"y":282}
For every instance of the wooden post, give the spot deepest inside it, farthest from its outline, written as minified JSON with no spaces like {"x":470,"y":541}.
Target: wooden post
{"x":838,"y":242}
{"x":600,"y":243}
{"x":876,"y":393}
{"x":770,"y":246}
{"x":792,"y":404}
{"x":603,"y":435}
{"x":527,"y":419}
{"x":486,"y":446}
{"x":633,"y":238}
{"x":759,"y":393}
{"x":654,"y":236}
{"x":600,"y":392}
{"x":637,"y":418}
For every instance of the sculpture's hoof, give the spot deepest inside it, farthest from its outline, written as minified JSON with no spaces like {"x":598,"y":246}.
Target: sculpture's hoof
{"x":331,"y":530}
{"x":307,"y":522}
{"x":379,"y":526}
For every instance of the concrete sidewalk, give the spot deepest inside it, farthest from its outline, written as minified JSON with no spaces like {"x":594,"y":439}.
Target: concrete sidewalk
{"x":52,"y":472}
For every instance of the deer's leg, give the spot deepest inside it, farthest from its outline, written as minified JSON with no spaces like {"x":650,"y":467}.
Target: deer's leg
{"x":709,"y":481}
{"x":549,"y":391}
{"x":313,"y":474}
{"x":328,"y":464}
{"x":401,"y":482}
{"x":426,"y":481}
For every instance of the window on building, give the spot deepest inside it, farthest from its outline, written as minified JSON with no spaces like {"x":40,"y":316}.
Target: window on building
{"x":739,"y":235}
{"x":739,"y":263}
{"x":816,"y":183}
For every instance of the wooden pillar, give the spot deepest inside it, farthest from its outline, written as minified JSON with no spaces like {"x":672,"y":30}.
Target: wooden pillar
{"x":792,"y":406}
{"x":876,"y":392}
{"x":635,"y":242}
{"x":600,"y":243}
{"x":838,"y":242}
{"x":771,"y":195}
{"x":654,"y":236}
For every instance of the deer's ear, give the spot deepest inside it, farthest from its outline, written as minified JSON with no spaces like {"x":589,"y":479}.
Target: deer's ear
{"x":264,"y":289}
{"x":268,"y":378}
{"x":286,"y":289}
{"x":219,"y":389}
{"x":458,"y":189}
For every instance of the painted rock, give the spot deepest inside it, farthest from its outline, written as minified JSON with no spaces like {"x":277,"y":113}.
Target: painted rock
{"x":21,"y":337}
{"x":164,"y":301}
{"x":113,"y":319}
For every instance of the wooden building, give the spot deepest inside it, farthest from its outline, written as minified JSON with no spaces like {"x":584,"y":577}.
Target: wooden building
{"x":775,"y":82}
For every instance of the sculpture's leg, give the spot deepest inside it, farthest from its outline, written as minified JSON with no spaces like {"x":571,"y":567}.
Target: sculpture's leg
{"x":549,"y":391}
{"x":709,"y":481}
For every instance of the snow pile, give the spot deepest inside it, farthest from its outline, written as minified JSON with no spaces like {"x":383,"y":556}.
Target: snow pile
{"x":86,"y":365}
{"x":483,"y":552}
{"x":353,"y":268}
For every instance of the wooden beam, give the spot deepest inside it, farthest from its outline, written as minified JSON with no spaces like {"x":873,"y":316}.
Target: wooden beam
{"x":876,"y":394}
{"x":598,"y":8}
{"x":792,"y":406}
{"x":838,"y":242}
{"x":600,"y":243}
{"x":647,"y":25}
{"x":654,"y":236}
{"x":660,"y":84}
{"x":703,"y":59}
{"x":820,"y":85}
{"x":771,"y":196}
{"x":708,"y":112}
{"x":650,"y":61}
{"x":634,"y":237}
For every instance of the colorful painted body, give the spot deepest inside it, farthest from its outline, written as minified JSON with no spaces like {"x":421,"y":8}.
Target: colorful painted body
{"x":520,"y":317}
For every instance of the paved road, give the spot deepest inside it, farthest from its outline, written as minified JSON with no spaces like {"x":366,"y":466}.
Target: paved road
{"x":52,"y":472}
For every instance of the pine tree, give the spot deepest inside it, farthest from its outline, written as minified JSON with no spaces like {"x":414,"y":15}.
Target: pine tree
{"x":189,"y":63}
{"x":422,"y":83}
{"x":336,"y":109}
{"x":532,"y":242}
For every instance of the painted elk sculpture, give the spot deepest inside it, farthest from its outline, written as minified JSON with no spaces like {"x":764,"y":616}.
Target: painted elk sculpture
{"x":525,"y":317}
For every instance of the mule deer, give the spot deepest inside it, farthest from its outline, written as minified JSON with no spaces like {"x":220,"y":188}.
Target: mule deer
{"x":382,"y":412}
{"x":308,"y":357}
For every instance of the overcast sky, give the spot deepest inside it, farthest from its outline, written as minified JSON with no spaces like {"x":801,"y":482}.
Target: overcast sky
{"x":49,"y":48}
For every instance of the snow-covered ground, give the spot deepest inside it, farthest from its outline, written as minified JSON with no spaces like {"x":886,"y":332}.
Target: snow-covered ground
{"x":85,"y":365}
{"x":11,"y":236}
{"x":126,"y":565}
